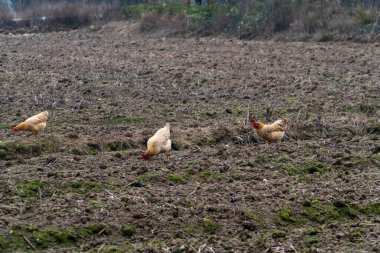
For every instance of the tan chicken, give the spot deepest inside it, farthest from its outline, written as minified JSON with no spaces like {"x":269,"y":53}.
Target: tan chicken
{"x":34,"y":124}
{"x":271,"y":133}
{"x":159,"y":143}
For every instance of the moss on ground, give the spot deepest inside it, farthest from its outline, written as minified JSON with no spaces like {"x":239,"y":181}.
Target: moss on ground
{"x":128,"y":231}
{"x":84,"y":186}
{"x":178,"y":178}
{"x":31,"y":146}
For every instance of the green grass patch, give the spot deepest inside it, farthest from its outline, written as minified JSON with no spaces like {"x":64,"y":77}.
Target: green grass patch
{"x":281,"y":159}
{"x":66,"y":237}
{"x":178,"y":179}
{"x":29,"y":189}
{"x":278,"y":234}
{"x":117,"y":145}
{"x":190,"y":229}
{"x":207,"y":174}
{"x":128,"y":231}
{"x":4,"y":243}
{"x":196,"y":165}
{"x":125,"y":121}
{"x":310,"y":167}
{"x":83,"y":186}
{"x":312,"y":240}
{"x":312,"y":231}
{"x":41,"y":239}
{"x":210,"y":226}
{"x":204,"y":141}
{"x":315,"y":211}
{"x":150,"y":177}
{"x":111,"y":249}
{"x":250,"y":215}
{"x":286,"y":215}
{"x":31,"y":146}
{"x":93,"y":230}
{"x":376,"y":128}
{"x":370,"y":209}
{"x":3,"y":154}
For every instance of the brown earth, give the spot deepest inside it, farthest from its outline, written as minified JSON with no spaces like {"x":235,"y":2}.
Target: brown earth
{"x":80,"y":186}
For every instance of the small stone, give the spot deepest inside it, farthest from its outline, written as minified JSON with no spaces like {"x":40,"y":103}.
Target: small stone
{"x":51,"y":174}
{"x":340,"y":235}
{"x":136,"y":184}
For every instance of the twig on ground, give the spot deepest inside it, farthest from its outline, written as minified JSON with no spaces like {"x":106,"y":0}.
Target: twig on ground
{"x":201,"y":248}
{"x":101,"y":247}
{"x":101,"y":231}
{"x":29,"y":242}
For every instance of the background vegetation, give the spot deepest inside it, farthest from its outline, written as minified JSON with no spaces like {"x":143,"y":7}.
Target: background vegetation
{"x":295,"y":19}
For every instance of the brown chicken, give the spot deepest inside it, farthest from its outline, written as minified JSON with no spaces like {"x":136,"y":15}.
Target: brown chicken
{"x":271,"y":133}
{"x":34,"y":124}
{"x":159,"y":143}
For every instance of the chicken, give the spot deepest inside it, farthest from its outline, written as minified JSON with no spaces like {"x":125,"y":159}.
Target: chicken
{"x":159,"y":143}
{"x":34,"y":124}
{"x":271,"y":133}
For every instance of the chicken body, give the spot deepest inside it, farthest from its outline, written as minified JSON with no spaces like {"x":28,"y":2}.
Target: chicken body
{"x":159,"y":143}
{"x":34,"y":124}
{"x":271,"y":133}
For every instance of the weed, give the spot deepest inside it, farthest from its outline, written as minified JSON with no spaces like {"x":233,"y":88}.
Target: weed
{"x":207,"y":174}
{"x":313,"y":231}
{"x":250,"y":215}
{"x":376,"y":128}
{"x":204,"y":141}
{"x":368,"y":108}
{"x":40,"y":239}
{"x":66,"y":237}
{"x":210,"y":227}
{"x":310,"y":167}
{"x":370,"y":209}
{"x":121,"y":145}
{"x":196,"y":165}
{"x":3,"y":154}
{"x":281,"y":159}
{"x":96,"y":204}
{"x":128,"y":231}
{"x":176,"y":178}
{"x":83,"y":187}
{"x":149,"y":177}
{"x":111,"y":249}
{"x":278,"y":234}
{"x":358,"y":159}
{"x":176,"y":145}
{"x":320,"y":213}
{"x":314,"y":167}
{"x":260,"y":159}
{"x":286,"y":215}
{"x":93,"y":230}
{"x":312,"y":240}
{"x":4,"y":243}
{"x":190,"y":229}
{"x":29,"y":189}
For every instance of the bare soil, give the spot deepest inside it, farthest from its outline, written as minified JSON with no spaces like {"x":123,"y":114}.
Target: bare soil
{"x":80,"y":186}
